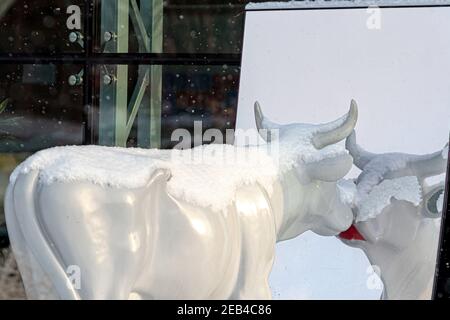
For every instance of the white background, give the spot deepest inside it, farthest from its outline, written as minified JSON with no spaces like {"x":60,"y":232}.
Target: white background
{"x":306,"y":66}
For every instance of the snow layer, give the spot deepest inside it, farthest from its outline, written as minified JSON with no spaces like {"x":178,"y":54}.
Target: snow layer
{"x":293,"y":143}
{"x":371,"y":199}
{"x":207,"y":175}
{"x":371,"y":204}
{"x":340,"y":3}
{"x":375,"y":171}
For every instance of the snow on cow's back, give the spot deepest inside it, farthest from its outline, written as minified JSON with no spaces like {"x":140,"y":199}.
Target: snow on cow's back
{"x":210,"y":175}
{"x":207,"y":175}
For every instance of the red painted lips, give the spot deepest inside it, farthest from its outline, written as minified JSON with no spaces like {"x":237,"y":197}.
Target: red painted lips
{"x":351,"y":234}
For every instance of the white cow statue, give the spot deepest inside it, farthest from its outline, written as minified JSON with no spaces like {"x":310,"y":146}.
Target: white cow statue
{"x":91,"y":222}
{"x":398,"y":218}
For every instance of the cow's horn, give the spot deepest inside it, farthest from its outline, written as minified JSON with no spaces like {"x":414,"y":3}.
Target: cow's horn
{"x":429,"y":165}
{"x":337,"y":130}
{"x":263,"y":124}
{"x":360,"y":156}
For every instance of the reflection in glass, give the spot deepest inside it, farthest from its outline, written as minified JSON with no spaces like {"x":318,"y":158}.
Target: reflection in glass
{"x":205,"y":94}
{"x":172,"y":26}
{"x":40,"y":109}
{"x":39,"y":26}
{"x":188,"y":94}
{"x":203,"y":26}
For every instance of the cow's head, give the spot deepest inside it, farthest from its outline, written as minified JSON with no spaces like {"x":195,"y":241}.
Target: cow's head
{"x":393,"y":202}
{"x":312,"y":161}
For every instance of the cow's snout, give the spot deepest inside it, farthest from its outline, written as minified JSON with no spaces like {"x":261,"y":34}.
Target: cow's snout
{"x":339,"y":219}
{"x":335,"y":218}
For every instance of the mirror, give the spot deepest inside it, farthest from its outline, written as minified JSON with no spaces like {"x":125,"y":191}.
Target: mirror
{"x":305,"y":63}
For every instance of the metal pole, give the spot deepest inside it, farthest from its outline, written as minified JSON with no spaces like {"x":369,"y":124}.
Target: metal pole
{"x":149,"y":117}
{"x":4,"y":6}
{"x":156,"y":75}
{"x":114,"y":79}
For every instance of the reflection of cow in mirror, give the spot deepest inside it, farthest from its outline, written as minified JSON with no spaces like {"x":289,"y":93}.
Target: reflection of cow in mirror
{"x":401,"y":236}
{"x":147,"y":242}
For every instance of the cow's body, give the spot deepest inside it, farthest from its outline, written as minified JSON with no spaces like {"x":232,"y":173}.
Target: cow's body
{"x":115,"y":242}
{"x":402,"y":239}
{"x":192,"y":253}
{"x":146,"y":243}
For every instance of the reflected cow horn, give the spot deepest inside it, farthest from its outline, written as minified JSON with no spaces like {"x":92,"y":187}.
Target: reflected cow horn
{"x":337,"y":130}
{"x":360,"y":156}
{"x":263,"y":124}
{"x":429,"y":165}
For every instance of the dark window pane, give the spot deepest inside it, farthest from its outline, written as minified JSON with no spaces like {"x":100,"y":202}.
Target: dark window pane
{"x":174,"y":98}
{"x":204,"y":94}
{"x":171,"y":26}
{"x":203,"y":26}
{"x":39,"y":26}
{"x":39,"y":108}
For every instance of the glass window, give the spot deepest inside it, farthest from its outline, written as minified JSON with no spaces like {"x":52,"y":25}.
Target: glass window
{"x":120,"y":73}
{"x":206,"y":95}
{"x":40,"y":106}
{"x":41,"y":26}
{"x":136,"y":99}
{"x":172,"y":26}
{"x":203,"y":26}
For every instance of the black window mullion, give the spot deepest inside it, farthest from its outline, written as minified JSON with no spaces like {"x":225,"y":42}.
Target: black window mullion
{"x":87,"y":73}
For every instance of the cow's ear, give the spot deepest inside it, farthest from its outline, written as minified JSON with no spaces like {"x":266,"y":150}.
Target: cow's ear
{"x":433,"y":202}
{"x":330,"y":169}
